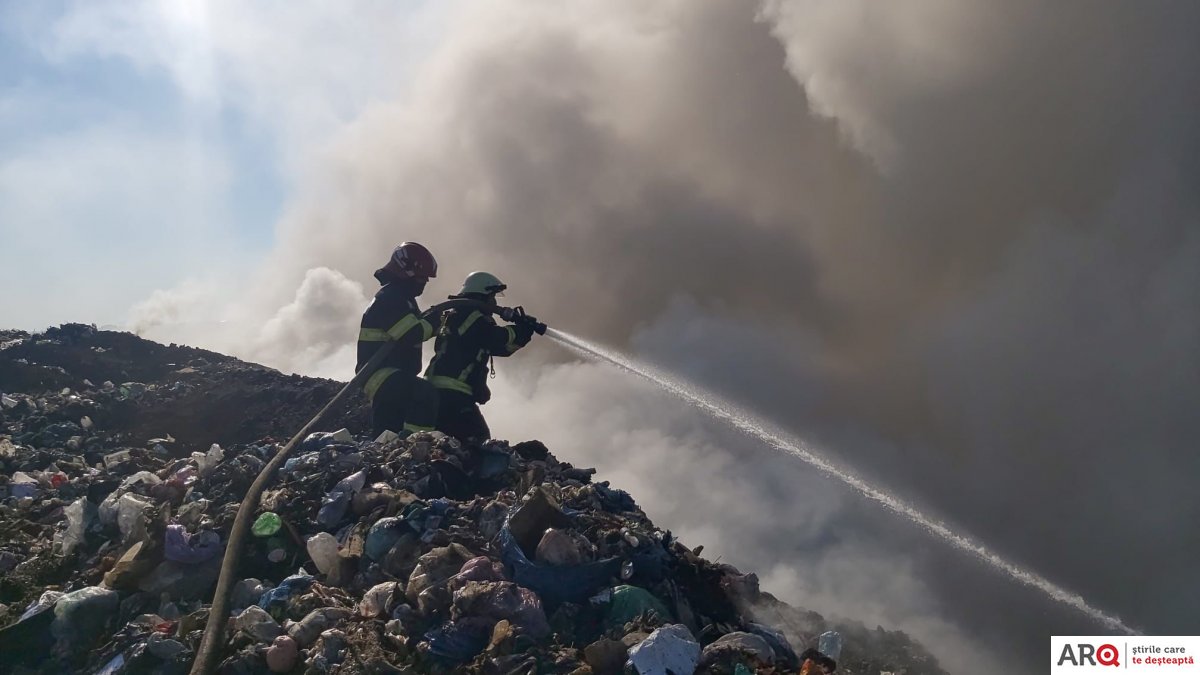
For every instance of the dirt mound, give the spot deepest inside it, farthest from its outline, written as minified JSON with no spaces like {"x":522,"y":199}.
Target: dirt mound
{"x":196,"y":396}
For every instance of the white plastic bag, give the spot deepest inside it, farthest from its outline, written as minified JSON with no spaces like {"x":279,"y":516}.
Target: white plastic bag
{"x":76,"y":513}
{"x":130,"y":518}
{"x":206,"y":462}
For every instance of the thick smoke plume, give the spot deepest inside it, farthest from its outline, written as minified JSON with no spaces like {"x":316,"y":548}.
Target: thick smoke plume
{"x":957,"y":243}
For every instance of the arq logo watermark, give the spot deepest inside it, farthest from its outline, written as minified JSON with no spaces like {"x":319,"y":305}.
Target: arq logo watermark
{"x":1128,"y":653}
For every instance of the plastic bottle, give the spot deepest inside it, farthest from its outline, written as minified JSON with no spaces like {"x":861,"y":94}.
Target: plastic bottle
{"x":266,"y":525}
{"x":830,"y":644}
{"x":323,"y":549}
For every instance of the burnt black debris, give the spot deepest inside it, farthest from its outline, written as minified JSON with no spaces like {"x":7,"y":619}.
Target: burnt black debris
{"x":122,"y":465}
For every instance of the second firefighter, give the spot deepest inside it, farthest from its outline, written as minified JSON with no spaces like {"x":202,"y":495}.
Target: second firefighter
{"x":467,"y":339}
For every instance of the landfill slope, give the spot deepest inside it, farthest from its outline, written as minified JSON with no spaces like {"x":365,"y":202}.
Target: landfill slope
{"x":122,"y":464}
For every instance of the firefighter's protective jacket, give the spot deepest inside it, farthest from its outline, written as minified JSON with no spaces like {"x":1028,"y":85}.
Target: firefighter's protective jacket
{"x":466,"y":340}
{"x":393,"y":315}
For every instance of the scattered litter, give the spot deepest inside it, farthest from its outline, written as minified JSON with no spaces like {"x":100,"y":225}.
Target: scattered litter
{"x":368,"y":554}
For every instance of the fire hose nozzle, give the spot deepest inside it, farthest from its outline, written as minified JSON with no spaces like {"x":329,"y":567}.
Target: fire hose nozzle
{"x":517,"y":315}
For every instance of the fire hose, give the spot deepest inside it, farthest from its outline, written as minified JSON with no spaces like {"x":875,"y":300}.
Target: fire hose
{"x":218,"y":614}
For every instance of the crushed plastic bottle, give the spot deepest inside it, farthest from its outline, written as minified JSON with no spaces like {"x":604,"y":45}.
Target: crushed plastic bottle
{"x":266,"y":525}
{"x":323,"y":549}
{"x":830,"y":644}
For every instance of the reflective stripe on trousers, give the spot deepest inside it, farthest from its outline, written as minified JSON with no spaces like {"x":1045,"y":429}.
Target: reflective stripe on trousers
{"x":446,"y":382}
{"x":376,"y":381}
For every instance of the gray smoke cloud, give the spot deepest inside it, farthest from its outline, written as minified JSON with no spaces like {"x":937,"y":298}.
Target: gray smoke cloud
{"x":955,"y":243}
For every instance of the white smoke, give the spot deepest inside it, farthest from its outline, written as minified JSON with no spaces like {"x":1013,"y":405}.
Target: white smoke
{"x":319,"y":323}
{"x":955,"y":241}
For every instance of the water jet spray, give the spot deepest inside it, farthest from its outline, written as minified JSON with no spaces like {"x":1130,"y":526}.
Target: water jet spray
{"x":753,"y":426}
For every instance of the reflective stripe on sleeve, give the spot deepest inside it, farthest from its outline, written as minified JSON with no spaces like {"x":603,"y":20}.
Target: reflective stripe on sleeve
{"x":373,"y":335}
{"x":471,"y":319}
{"x":401,"y":327}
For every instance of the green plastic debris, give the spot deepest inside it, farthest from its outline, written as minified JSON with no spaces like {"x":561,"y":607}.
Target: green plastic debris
{"x":630,"y":602}
{"x":266,"y":525}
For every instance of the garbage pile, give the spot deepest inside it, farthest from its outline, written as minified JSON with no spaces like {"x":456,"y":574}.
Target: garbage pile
{"x":417,"y":554}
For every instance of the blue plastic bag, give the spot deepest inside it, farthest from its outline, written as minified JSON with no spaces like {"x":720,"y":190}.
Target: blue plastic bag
{"x":275,"y":600}
{"x":555,"y":584}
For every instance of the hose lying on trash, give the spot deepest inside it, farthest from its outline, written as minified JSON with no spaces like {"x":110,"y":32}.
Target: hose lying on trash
{"x":218,"y":614}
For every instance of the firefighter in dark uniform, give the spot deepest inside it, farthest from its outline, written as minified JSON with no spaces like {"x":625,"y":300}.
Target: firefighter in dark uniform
{"x":467,"y":339}
{"x":400,"y":400}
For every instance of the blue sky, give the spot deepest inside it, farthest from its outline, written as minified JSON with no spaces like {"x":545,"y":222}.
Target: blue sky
{"x":152,"y":143}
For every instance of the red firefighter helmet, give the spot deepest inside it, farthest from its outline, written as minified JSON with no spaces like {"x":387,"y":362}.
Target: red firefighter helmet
{"x":411,"y":260}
